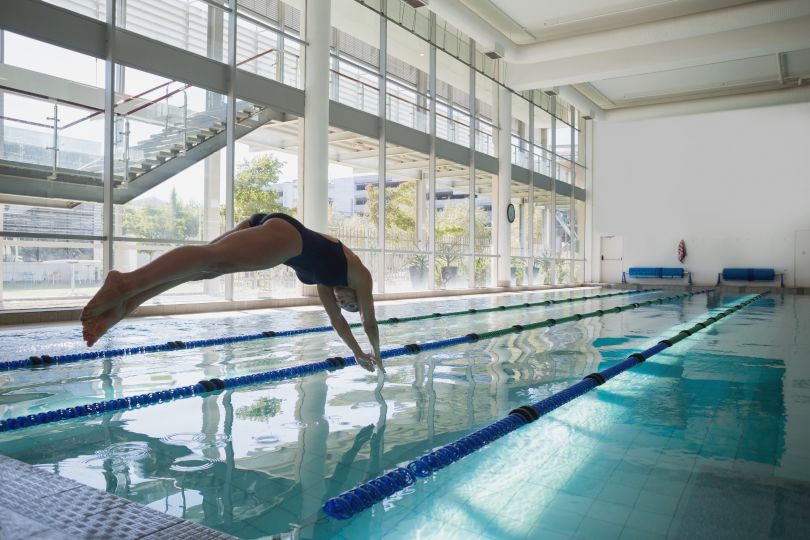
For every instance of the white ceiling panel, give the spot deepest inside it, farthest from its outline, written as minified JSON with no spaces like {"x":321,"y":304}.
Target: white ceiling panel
{"x":636,"y":53}
{"x":692,"y":79}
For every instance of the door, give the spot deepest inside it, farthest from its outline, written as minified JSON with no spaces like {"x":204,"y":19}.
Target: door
{"x":802,"y":270}
{"x":611,"y":249}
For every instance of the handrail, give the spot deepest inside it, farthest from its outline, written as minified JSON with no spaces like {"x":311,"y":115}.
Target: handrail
{"x":49,"y":98}
{"x":399,"y":98}
{"x":158,"y":87}
{"x":29,"y":122}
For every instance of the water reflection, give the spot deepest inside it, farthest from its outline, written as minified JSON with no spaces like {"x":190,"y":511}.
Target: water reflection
{"x":262,"y":460}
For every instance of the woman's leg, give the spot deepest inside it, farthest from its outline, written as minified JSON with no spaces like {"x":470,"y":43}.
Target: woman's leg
{"x":255,"y":248}
{"x":95,"y":327}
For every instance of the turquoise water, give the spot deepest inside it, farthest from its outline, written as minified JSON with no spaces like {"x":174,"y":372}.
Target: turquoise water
{"x":707,"y":440}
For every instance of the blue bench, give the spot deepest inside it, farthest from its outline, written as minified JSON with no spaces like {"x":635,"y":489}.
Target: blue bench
{"x":750,"y":274}
{"x":656,"y":272}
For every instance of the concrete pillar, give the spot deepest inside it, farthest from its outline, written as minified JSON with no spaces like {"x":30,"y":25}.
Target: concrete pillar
{"x":2,"y":254}
{"x":503,"y":191}
{"x":211,"y":202}
{"x":588,"y":229}
{"x":314,"y":187}
{"x":109,"y":137}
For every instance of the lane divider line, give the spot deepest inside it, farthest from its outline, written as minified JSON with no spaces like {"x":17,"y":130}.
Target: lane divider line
{"x":365,"y":495}
{"x":330,"y":364}
{"x":47,"y":360}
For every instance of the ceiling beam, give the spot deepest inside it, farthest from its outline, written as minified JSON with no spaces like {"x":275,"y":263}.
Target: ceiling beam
{"x":766,"y":39}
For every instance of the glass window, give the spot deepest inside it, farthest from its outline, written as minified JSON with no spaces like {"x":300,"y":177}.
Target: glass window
{"x":263,"y":50}
{"x":580,"y":178}
{"x":355,"y":60}
{"x":521,"y":151}
{"x":542,"y":237}
{"x":413,"y":20}
{"x":170,"y":139}
{"x":453,"y":250}
{"x":453,"y":94}
{"x":354,"y":188}
{"x":486,"y":104}
{"x":51,"y":144}
{"x":579,"y":230}
{"x":406,"y":219}
{"x":579,"y":144}
{"x":484,"y":249}
{"x":266,"y":180}
{"x":563,"y":139}
{"x":564,"y":234}
{"x":197,"y":27}
{"x":520,"y":232}
{"x":408,"y":65}
{"x":95,"y":9}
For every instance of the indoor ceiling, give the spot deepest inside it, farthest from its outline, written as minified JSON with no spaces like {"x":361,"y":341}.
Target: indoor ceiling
{"x":630,"y":54}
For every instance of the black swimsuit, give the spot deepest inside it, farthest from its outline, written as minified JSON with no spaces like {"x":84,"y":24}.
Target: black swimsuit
{"x":321,"y":260}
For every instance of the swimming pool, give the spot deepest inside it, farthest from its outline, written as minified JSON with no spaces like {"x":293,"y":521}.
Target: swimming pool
{"x":710,"y":426}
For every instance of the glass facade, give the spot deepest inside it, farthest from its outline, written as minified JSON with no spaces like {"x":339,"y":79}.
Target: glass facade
{"x":421,"y":219}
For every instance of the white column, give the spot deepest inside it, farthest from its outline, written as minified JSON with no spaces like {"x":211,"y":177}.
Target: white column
{"x":2,"y":139}
{"x":230,"y":135}
{"x":381,"y":149}
{"x":211,"y":202}
{"x":314,"y":187}
{"x":432,"y":159}
{"x":504,"y":189}
{"x":590,"y":258}
{"x":2,"y":254}
{"x":109,"y":139}
{"x":472,"y":189}
{"x":552,"y":207}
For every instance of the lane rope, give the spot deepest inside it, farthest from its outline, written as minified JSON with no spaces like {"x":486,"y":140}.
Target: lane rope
{"x":47,"y":360}
{"x":330,"y":364}
{"x":365,"y":495}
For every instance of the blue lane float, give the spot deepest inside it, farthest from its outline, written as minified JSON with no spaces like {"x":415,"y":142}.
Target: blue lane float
{"x":361,"y":497}
{"x":46,"y":360}
{"x":330,"y":364}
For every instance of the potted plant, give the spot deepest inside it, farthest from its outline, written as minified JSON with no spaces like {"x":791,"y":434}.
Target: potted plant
{"x":447,"y":253}
{"x":518,"y":271}
{"x":417,"y":264}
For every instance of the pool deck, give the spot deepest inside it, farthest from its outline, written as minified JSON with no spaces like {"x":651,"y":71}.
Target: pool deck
{"x":35,"y":504}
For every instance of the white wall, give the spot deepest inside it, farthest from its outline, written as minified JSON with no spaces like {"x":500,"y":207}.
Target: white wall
{"x":734,"y":185}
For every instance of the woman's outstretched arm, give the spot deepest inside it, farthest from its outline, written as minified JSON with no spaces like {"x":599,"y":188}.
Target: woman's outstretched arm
{"x":365,"y":300}
{"x":342,"y":327}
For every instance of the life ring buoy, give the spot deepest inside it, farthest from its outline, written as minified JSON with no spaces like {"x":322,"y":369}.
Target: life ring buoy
{"x":681,"y":251}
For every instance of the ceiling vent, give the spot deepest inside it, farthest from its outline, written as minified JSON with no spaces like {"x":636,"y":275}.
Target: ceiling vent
{"x":416,"y":3}
{"x":587,"y":117}
{"x":550,"y":92}
{"x":496,"y":52}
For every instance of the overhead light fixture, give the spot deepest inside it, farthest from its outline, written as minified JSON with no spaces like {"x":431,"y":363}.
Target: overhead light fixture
{"x":550,"y":91}
{"x":416,"y":3}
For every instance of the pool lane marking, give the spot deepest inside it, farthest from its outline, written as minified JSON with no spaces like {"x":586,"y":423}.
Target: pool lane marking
{"x":330,"y":364}
{"x":47,"y":360}
{"x":365,"y":495}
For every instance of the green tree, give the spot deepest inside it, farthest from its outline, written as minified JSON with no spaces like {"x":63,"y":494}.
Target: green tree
{"x":253,"y":192}
{"x":176,"y":219}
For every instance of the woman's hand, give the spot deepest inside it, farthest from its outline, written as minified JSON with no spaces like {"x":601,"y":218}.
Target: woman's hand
{"x":368,"y":361}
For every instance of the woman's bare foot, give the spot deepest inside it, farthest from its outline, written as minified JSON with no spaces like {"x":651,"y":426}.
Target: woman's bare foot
{"x":113,"y":291}
{"x":95,"y":327}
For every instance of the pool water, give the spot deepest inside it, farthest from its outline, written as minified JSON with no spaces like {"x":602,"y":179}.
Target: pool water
{"x":708,"y":439}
